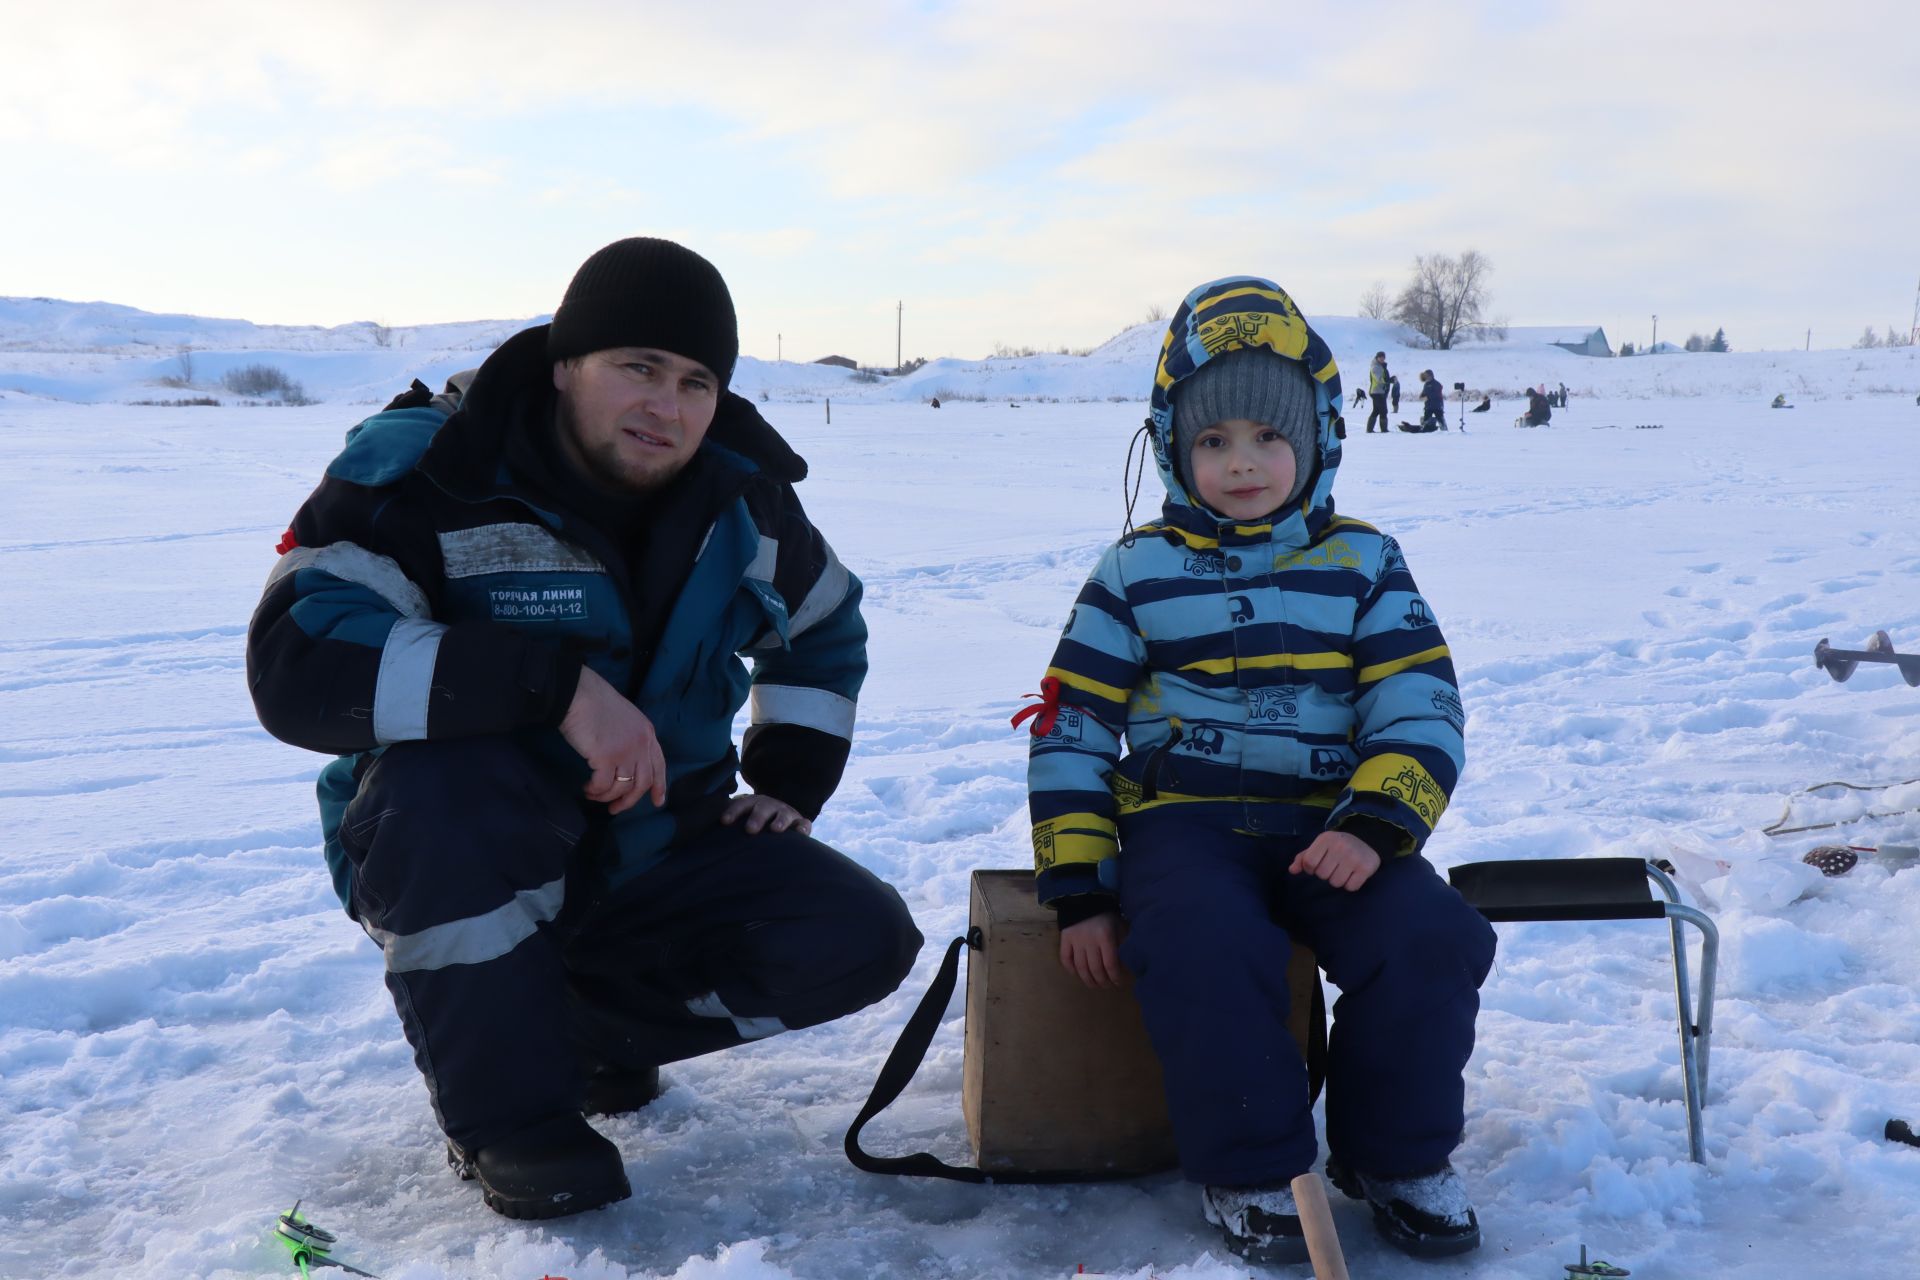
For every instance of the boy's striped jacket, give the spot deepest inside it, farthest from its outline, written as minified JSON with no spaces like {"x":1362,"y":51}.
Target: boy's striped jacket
{"x":1279,"y":677}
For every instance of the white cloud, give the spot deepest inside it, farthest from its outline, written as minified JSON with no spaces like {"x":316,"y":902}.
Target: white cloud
{"x":1626,"y":156}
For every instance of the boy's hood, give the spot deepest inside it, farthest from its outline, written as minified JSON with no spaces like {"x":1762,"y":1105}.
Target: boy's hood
{"x":1229,"y":315}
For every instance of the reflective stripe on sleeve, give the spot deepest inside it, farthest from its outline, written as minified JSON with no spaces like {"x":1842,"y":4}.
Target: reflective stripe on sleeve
{"x":405,"y":682}
{"x":829,"y":589}
{"x":764,"y":559}
{"x":351,"y":563}
{"x":812,"y":708}
{"x":476,"y":939}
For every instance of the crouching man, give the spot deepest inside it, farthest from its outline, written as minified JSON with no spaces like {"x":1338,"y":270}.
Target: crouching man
{"x":517,"y":613}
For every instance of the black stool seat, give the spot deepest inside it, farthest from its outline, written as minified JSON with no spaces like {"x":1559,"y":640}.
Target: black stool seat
{"x":1612,"y":889}
{"x":1559,"y":889}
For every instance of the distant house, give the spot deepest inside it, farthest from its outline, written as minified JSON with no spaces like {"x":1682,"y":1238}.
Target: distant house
{"x":838,"y":362}
{"x":1582,"y":340}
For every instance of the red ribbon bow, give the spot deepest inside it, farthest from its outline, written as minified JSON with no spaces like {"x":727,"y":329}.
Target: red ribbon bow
{"x":1045,"y":711}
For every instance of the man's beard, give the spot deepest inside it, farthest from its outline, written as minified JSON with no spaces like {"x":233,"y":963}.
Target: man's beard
{"x":603,"y":464}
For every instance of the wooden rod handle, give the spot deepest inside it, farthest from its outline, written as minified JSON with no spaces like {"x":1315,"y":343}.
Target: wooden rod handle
{"x":1316,"y":1218}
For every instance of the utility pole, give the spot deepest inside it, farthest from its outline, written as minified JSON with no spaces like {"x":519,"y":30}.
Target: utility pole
{"x":1656,"y":336}
{"x":778,"y":340}
{"x":1809,"y":339}
{"x":899,"y":319}
{"x":1913,"y":334}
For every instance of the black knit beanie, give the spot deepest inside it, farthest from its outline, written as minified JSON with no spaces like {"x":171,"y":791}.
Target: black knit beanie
{"x":644,"y":292}
{"x":1259,"y":386}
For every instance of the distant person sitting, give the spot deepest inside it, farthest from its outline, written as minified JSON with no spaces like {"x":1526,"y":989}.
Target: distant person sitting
{"x":1780,"y":401}
{"x":1485,"y":405}
{"x":1539,"y":412}
{"x":1433,"y":401}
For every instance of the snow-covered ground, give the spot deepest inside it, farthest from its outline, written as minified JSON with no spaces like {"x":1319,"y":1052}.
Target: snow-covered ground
{"x":192,"y":1035}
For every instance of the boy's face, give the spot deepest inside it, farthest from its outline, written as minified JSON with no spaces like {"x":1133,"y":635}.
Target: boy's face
{"x":1243,"y":470}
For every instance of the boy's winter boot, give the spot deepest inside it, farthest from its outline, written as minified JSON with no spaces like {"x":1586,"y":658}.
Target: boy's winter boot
{"x":547,"y":1170}
{"x":1262,"y":1224}
{"x":614,"y":1091}
{"x":1427,"y":1215}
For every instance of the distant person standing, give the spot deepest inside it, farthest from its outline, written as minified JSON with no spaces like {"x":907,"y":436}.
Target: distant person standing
{"x":1379,"y":382}
{"x":1563,"y":395}
{"x":1393,"y":391}
{"x":1433,"y":399}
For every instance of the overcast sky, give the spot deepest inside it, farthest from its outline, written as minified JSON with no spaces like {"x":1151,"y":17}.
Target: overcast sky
{"x":1014,"y":171}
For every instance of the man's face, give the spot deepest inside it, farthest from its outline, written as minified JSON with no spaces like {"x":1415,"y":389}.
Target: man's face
{"x":632,"y":417}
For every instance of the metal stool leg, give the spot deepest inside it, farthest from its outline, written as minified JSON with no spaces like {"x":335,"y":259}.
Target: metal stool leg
{"x":1696,"y":1024}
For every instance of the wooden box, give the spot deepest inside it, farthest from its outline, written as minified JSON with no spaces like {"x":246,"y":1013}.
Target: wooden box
{"x":1058,"y":1077}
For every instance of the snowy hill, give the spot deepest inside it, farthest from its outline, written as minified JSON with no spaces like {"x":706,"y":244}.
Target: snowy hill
{"x":50,"y":325}
{"x":100,"y":352}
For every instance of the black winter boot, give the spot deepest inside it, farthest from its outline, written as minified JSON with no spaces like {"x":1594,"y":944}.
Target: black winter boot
{"x":1262,"y":1224}
{"x":1424,"y":1216}
{"x":549,"y":1169}
{"x":614,"y":1091}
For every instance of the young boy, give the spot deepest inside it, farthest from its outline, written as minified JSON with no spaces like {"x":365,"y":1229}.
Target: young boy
{"x":1293,"y":732}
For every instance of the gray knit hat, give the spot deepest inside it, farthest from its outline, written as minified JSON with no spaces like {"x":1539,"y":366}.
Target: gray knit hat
{"x":1257,"y":385}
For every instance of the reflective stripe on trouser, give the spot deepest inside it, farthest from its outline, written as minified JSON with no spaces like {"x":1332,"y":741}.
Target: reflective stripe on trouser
{"x":733,"y":937}
{"x":460,"y":854}
{"x":1212,"y":915}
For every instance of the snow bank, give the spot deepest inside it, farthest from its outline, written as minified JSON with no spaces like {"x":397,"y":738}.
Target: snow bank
{"x":99,"y":352}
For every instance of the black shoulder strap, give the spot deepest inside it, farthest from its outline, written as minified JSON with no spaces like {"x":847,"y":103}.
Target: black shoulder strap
{"x":908,"y":1053}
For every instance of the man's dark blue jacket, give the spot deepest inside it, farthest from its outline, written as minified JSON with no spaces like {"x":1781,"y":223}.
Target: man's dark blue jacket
{"x":428,"y":590}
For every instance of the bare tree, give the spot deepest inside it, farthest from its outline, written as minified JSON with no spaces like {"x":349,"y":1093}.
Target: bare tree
{"x":1444,"y":296}
{"x":182,"y":376}
{"x":1376,"y":303}
{"x":1156,"y":314}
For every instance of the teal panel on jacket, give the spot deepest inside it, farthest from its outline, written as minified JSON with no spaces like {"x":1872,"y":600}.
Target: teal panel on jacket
{"x":386,"y":446}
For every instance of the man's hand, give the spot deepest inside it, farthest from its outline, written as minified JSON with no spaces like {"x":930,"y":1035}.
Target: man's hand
{"x":1090,"y":950}
{"x":617,"y":741}
{"x":765,"y":813}
{"x":1343,"y":861}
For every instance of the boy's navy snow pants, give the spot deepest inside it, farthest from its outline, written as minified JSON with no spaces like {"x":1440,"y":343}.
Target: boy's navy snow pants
{"x":512,"y":977}
{"x":1212,"y":916}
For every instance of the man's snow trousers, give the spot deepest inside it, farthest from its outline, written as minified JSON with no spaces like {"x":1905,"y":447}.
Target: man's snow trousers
{"x":514,"y":975}
{"x":1212,"y":915}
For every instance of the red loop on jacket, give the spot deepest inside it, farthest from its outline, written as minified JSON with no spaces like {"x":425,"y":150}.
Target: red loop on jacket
{"x":1045,"y":711}
{"x":287,"y":543}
